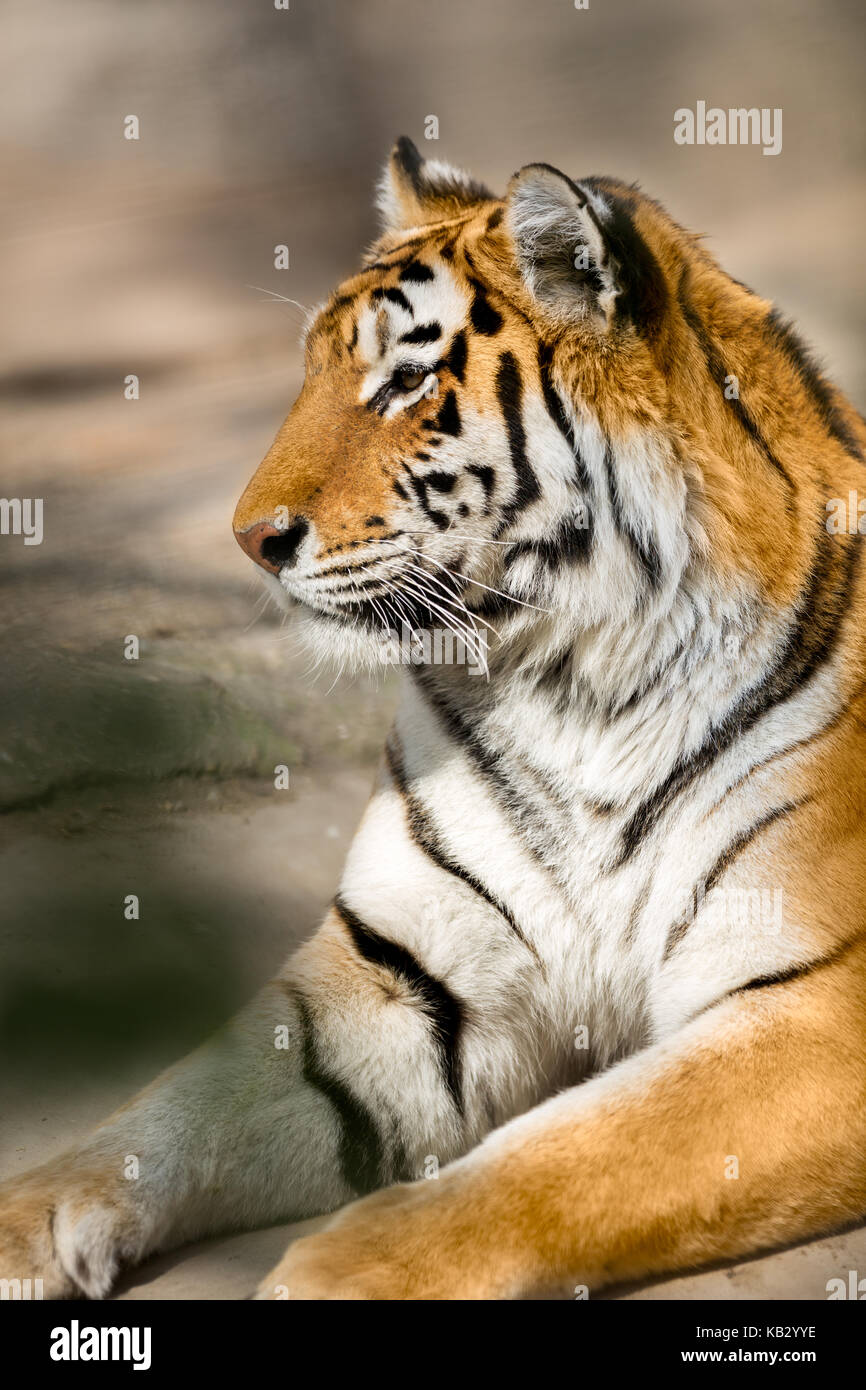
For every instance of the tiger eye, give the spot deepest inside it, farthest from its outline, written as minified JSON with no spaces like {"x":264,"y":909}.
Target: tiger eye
{"x":410,"y":381}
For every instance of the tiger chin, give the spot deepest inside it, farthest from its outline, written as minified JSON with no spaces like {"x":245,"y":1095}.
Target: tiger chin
{"x":583,"y":1010}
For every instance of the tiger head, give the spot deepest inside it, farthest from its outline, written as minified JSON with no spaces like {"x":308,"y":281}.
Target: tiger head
{"x":529,"y":414}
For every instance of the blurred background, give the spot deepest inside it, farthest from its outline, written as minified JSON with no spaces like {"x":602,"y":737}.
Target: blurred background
{"x":154,"y":257}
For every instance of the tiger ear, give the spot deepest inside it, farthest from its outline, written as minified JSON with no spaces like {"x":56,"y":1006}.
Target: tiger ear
{"x":413,"y":190}
{"x":558,"y":230}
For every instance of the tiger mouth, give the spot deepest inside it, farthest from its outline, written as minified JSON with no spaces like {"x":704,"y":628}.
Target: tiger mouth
{"x":381,"y":617}
{"x":383,"y":599}
{"x":405,"y":614}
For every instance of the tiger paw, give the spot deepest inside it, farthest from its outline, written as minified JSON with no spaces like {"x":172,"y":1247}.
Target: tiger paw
{"x":61,"y":1236}
{"x":418,"y":1241}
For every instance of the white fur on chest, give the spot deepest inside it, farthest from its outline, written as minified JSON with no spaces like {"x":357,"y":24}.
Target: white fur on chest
{"x":599,"y":932}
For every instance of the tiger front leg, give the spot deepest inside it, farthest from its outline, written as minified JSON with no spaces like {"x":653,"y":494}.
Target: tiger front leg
{"x":343,"y":1075}
{"x":222,"y":1140}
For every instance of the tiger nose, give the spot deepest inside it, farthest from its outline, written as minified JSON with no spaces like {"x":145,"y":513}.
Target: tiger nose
{"x":273,"y":547}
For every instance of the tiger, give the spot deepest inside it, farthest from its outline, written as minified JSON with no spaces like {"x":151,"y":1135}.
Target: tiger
{"x":587,"y":1008}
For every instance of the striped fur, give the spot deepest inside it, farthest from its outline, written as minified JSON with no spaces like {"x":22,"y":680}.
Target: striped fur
{"x":605,"y":910}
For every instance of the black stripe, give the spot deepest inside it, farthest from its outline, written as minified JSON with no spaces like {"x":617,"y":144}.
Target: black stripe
{"x":444,"y":1011}
{"x":783,"y":977}
{"x":362,"y":566}
{"x":822,"y":394}
{"x":362,"y":1158}
{"x":484,"y":318}
{"x":416,"y":273}
{"x":718,"y":370}
{"x":339,"y":301}
{"x":571,"y":543}
{"x":411,"y":243}
{"x":395,"y":296}
{"x":486,"y":477}
{"x":423,"y":333}
{"x":440,"y":481}
{"x":448,"y":420}
{"x":456,"y":359}
{"x":426,"y":838}
{"x":724,"y":862}
{"x":745,"y":838}
{"x":496,"y":605}
{"x":831,"y":724}
{"x":509,"y":392}
{"x":440,"y":520}
{"x":355,"y":587}
{"x":810,"y":643}
{"x":556,"y":411}
{"x":786,"y":977}
{"x":486,"y":763}
{"x":389,"y":265}
{"x":644,"y":550}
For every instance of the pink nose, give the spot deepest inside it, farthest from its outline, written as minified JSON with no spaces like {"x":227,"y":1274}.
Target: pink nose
{"x":271,"y":547}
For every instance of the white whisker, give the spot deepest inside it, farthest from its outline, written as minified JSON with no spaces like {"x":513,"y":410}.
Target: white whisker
{"x":281,"y":297}
{"x":455,"y":574}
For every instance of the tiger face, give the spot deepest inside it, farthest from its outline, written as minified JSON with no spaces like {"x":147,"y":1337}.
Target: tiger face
{"x":531,"y":412}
